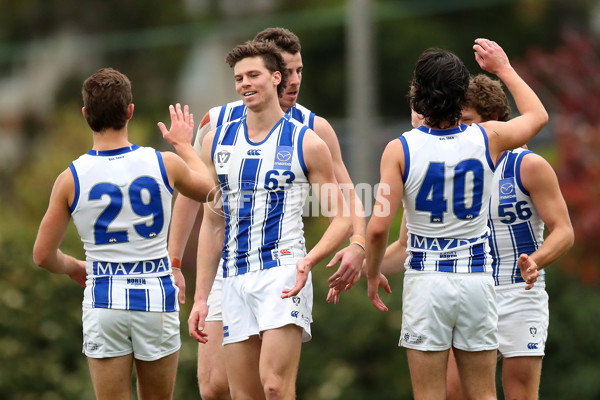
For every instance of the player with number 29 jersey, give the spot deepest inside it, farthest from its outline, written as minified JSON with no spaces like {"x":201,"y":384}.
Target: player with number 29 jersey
{"x":112,"y":189}
{"x":448,"y":224}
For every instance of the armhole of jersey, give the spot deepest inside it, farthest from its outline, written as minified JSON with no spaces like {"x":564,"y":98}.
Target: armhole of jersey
{"x":300,"y":152}
{"x":406,"y":159}
{"x":487,"y":148}
{"x":518,"y":171}
{"x":163,"y":171}
{"x":311,"y":120}
{"x":77,"y":190}
{"x":221,"y":115}
{"x":214,"y":143}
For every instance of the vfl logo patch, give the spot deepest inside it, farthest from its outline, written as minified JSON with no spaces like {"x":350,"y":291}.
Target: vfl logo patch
{"x":533,"y":331}
{"x":283,"y":158}
{"x":296,"y":300}
{"x":223,"y":157}
{"x":506,"y":191}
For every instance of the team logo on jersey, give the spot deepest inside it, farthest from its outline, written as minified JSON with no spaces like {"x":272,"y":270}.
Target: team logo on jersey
{"x":223,"y":157}
{"x":506,"y":191}
{"x":283,"y":157}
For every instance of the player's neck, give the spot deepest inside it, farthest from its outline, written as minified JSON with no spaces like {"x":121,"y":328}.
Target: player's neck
{"x":260,"y":122}
{"x":110,"y":139}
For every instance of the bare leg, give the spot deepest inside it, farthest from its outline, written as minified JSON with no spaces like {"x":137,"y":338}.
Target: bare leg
{"x":454,"y":389}
{"x":156,"y":379}
{"x":477,"y":370}
{"x":242,"y":364}
{"x":428,"y":373}
{"x":112,"y":377}
{"x":212,"y":376}
{"x":279,"y":359}
{"x":521,"y":377}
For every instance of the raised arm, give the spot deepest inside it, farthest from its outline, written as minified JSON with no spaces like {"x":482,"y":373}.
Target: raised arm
{"x":519,"y":130}
{"x":351,"y":257}
{"x":541,"y":182}
{"x":46,"y":252}
{"x":320,"y":175}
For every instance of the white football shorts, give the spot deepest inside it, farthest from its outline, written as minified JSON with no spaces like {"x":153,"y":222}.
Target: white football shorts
{"x":523,"y":318}
{"x":252,"y":303}
{"x":442,"y":309}
{"x":215,"y":297}
{"x":112,"y":333}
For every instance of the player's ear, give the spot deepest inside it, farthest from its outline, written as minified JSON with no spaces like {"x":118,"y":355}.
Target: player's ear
{"x":276,"y":78}
{"x":83,"y":111}
{"x":130,"y":111}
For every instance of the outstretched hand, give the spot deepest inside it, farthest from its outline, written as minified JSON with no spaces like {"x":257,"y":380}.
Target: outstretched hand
{"x":490,"y":56}
{"x":182,"y":126}
{"x":351,"y":260}
{"x":529,"y":270}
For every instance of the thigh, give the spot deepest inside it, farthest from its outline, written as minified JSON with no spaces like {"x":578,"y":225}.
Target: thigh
{"x":212,"y":376}
{"x":476,"y":326}
{"x":521,"y":377}
{"x":477,"y":370}
{"x":453,"y":384}
{"x":154,"y":335}
{"x":279,"y":359}
{"x":242,"y":364}
{"x":111,"y":377}
{"x":427,"y":373}
{"x":156,"y":379}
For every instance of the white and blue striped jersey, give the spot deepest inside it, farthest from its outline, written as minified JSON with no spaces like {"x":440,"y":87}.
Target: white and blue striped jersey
{"x":122,"y":211}
{"x":232,"y":111}
{"x":447,"y":177}
{"x":264,"y":186}
{"x":515,"y":224}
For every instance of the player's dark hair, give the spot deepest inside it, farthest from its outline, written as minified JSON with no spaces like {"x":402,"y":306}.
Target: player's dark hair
{"x":270,"y":55}
{"x":283,"y":38}
{"x":440,"y":84}
{"x":487,"y":98}
{"x":106,"y":98}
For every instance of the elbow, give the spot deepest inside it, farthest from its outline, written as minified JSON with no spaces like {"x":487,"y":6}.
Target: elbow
{"x":376,"y":233}
{"x":570,"y":239}
{"x":542,"y":119}
{"x":40,"y":257}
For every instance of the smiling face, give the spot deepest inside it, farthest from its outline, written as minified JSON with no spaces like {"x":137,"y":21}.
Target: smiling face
{"x":254,"y":82}
{"x":294,"y":67}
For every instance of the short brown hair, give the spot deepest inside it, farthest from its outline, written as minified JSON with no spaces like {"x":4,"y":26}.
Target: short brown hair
{"x":270,"y":55}
{"x":487,"y":98}
{"x":106,"y":98}
{"x":283,"y":38}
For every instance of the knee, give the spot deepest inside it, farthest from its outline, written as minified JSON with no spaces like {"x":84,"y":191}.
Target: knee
{"x":275,"y":388}
{"x":209,"y":391}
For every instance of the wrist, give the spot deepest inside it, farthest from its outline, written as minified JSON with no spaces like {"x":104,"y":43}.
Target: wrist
{"x":176,"y":263}
{"x":359,"y":241}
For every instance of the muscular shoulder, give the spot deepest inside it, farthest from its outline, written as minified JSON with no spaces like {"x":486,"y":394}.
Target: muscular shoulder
{"x":535,"y":171}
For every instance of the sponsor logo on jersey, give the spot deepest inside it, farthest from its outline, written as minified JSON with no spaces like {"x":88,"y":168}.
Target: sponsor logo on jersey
{"x":278,"y":254}
{"x":440,"y":244}
{"x":130,"y":268}
{"x":532,"y":346}
{"x":136,"y":281}
{"x":506,"y":191}
{"x":283,"y":157}
{"x":91,"y":346}
{"x":412,"y":338}
{"x":254,"y":152}
{"x":225,"y":331}
{"x":295,"y":314}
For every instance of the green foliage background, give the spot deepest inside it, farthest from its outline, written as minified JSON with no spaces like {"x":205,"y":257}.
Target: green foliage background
{"x":354,"y":353}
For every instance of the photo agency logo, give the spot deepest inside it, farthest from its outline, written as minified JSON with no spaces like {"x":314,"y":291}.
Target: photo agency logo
{"x":242,"y":200}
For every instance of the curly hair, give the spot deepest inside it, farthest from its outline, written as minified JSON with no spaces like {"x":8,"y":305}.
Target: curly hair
{"x":487,"y":97}
{"x":270,"y":55}
{"x":439,"y":87}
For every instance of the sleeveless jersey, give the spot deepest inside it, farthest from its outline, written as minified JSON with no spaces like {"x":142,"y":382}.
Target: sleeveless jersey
{"x":515,"y":224}
{"x":264,"y":186}
{"x":237,"y":109}
{"x":122,"y":211}
{"x":447,"y":179}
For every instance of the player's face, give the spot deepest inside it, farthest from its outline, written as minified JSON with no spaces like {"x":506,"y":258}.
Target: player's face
{"x":254,"y":82}
{"x":294,"y":67}
{"x":470,"y":116}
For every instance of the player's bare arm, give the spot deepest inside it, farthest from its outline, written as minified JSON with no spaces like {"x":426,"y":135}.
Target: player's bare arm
{"x":387,"y":202}
{"x":46,"y":252}
{"x":540,"y":180}
{"x":320,"y":175}
{"x":519,"y":130}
